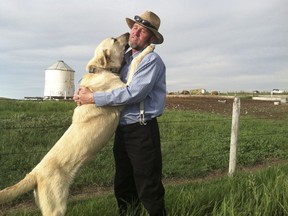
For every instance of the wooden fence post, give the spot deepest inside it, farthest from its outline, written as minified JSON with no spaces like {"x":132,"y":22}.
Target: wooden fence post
{"x":234,"y":136}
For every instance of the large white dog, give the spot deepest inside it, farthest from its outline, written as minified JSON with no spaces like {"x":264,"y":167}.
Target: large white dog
{"x":90,"y":130}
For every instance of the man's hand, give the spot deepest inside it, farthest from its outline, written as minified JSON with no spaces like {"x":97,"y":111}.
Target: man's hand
{"x":83,"y":96}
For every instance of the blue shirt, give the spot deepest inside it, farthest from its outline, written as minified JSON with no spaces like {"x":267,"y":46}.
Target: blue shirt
{"x":148,"y":84}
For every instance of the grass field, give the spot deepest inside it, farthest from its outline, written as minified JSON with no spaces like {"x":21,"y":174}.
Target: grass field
{"x":195,"y":149}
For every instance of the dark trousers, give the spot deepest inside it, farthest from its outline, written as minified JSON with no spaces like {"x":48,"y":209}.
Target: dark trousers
{"x":138,"y":162}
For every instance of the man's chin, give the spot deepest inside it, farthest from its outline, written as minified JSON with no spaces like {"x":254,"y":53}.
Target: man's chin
{"x":134,"y":46}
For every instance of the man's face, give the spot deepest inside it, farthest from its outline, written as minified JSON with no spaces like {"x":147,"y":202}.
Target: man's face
{"x":140,"y":37}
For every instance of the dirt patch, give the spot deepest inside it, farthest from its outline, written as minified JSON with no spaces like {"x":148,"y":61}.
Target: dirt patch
{"x":224,"y":105}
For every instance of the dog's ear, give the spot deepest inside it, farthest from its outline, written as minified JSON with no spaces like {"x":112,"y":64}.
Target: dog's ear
{"x":105,"y":58}
{"x":102,"y":61}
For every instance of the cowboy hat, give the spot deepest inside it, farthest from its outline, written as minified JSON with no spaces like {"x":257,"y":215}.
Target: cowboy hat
{"x":150,"y":21}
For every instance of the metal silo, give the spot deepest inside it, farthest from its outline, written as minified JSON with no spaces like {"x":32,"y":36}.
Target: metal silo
{"x":59,"y":81}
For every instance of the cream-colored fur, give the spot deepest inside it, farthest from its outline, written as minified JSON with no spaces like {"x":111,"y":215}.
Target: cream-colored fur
{"x":90,"y":130}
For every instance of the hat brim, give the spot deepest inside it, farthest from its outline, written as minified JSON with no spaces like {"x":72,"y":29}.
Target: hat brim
{"x":159,"y":38}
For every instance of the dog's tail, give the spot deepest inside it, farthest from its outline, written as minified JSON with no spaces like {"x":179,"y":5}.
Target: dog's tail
{"x":25,"y":185}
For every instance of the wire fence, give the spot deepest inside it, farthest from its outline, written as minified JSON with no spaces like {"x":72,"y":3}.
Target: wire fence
{"x":227,"y":138}
{"x":182,"y":142}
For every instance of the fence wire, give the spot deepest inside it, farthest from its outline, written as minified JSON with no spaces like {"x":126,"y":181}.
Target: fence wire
{"x":165,"y":141}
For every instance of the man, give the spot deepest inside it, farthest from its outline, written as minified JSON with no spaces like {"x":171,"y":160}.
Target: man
{"x":137,"y":150}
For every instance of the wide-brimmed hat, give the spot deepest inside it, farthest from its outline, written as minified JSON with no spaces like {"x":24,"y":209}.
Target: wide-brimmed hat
{"x":150,"y":21}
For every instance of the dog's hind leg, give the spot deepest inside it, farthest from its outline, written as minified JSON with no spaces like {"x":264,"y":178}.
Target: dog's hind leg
{"x":52,"y":197}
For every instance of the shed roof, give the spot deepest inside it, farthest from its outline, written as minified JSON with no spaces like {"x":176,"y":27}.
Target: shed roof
{"x":60,"y":65}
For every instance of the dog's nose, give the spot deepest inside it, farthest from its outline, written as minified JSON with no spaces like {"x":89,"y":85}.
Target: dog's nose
{"x":127,"y":47}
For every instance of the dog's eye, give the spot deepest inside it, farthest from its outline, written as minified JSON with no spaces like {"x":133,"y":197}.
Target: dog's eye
{"x":114,"y":39}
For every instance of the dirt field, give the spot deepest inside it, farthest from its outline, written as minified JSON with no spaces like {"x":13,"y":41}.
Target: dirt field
{"x":215,"y":104}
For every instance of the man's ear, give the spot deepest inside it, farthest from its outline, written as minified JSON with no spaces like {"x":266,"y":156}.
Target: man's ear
{"x":152,"y":39}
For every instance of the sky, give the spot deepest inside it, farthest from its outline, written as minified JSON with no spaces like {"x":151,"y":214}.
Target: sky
{"x":223,"y":45}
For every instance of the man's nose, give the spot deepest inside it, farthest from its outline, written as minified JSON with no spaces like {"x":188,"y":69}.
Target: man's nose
{"x":137,"y":32}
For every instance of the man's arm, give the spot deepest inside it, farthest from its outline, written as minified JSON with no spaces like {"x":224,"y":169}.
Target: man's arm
{"x":142,"y":83}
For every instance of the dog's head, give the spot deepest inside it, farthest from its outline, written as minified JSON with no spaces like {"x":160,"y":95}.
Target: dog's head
{"x":109,"y":54}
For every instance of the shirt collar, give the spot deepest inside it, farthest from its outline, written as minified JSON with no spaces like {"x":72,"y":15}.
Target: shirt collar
{"x":130,"y":57}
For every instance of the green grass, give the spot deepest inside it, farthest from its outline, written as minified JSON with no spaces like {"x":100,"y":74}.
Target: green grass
{"x":263,"y":192}
{"x":194,"y":145}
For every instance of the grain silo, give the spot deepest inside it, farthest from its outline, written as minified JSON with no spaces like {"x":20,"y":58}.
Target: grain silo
{"x":59,"y":81}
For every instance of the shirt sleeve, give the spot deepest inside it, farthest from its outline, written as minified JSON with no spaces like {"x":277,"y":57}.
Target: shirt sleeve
{"x":142,"y":83}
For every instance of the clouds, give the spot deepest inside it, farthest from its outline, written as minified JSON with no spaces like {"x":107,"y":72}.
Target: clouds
{"x":236,"y":46}
{"x":218,"y":45}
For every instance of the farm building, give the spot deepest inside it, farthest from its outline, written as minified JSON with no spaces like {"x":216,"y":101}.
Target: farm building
{"x":59,"y":81}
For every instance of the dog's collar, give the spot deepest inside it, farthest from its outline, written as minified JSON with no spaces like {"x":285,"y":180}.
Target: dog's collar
{"x":99,"y":69}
